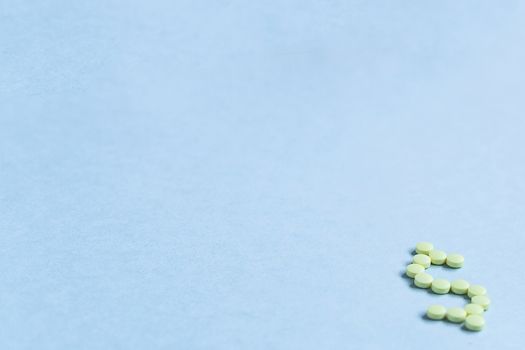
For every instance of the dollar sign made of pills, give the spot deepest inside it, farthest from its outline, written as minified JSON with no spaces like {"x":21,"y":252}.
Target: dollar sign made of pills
{"x":472,"y":313}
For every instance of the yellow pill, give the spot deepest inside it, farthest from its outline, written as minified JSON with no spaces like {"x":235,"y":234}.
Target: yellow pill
{"x":440,"y":286}
{"x":438,"y":257}
{"x":423,"y":280}
{"x":424,"y":247}
{"x":456,"y":314}
{"x":421,"y":259}
{"x":474,"y":309}
{"x":455,"y":260}
{"x":459,"y":286}
{"x":475,"y":322}
{"x":414,"y":269}
{"x":436,"y":312}
{"x":481,"y":300}
{"x":476,"y":290}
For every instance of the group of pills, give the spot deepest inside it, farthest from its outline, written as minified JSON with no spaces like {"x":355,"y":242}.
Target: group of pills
{"x":472,"y":313}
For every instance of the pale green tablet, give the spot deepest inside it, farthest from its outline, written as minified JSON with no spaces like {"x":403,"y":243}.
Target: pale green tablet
{"x":481,"y":300}
{"x":438,"y":257}
{"x":476,"y":290}
{"x":436,"y":312}
{"x":475,"y":322}
{"x":440,"y":286}
{"x":455,"y":260}
{"x":459,"y":286}
{"x":414,"y":269}
{"x":424,"y":247}
{"x":456,"y":314}
{"x":423,"y":280}
{"x":422,"y":259}
{"x":474,"y":309}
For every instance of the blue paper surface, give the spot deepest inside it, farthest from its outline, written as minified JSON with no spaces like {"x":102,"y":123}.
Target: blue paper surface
{"x":255,"y":174}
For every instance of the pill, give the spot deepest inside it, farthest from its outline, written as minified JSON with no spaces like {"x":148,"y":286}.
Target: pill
{"x":438,"y":257}
{"x":476,"y":290}
{"x":475,"y":322}
{"x":481,"y":300}
{"x":436,"y":312}
{"x":456,"y":314}
{"x":474,"y":309}
{"x":421,"y":259}
{"x":455,"y":260}
{"x":459,"y":286}
{"x":414,"y":269}
{"x":424,"y":247}
{"x":440,"y":286}
{"x":423,"y":280}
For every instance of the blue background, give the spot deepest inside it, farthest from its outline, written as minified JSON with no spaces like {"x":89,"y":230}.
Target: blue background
{"x":254,"y":174}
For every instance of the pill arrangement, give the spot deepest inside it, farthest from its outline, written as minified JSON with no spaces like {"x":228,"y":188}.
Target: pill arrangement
{"x":472,"y":313}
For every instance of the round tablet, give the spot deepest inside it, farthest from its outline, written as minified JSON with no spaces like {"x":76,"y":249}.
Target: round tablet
{"x":438,"y":257}
{"x":476,"y":290}
{"x":414,"y":269}
{"x":475,"y":322}
{"x":424,"y":247}
{"x":440,"y":286}
{"x":436,"y":312}
{"x":423,"y":280}
{"x":456,"y":314}
{"x":459,"y":286}
{"x":455,"y":260}
{"x":421,"y":259}
{"x":481,"y":300}
{"x":474,"y":309}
